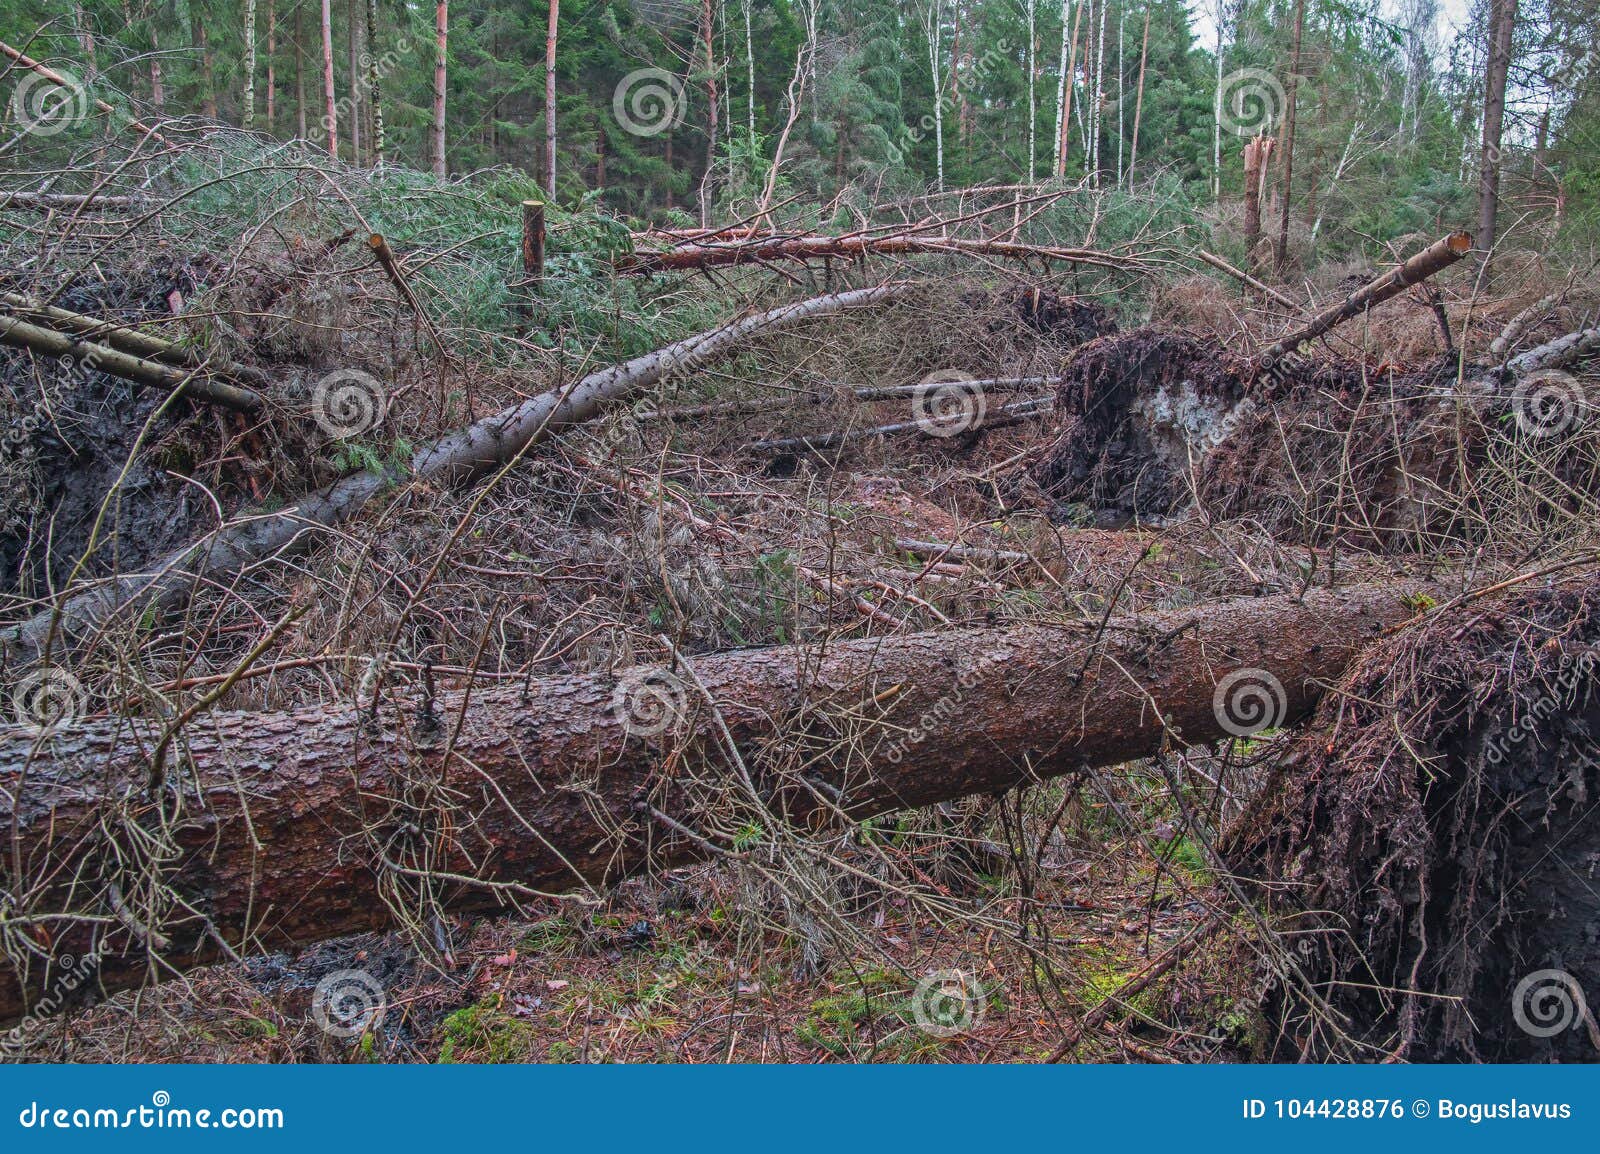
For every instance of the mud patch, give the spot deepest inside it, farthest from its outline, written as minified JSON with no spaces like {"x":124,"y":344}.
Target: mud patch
{"x":73,"y":435}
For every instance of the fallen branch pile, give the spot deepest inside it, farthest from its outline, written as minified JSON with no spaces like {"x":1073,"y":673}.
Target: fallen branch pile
{"x":456,"y":458}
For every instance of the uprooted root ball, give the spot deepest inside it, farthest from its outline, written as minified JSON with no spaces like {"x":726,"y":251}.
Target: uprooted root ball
{"x":1433,"y":848}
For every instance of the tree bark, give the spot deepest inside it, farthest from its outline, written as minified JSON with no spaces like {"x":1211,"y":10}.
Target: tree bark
{"x":1441,"y":254}
{"x":1281,"y":252}
{"x":441,"y":32}
{"x":272,"y":72}
{"x":374,"y":84}
{"x":104,"y":359}
{"x":281,"y":829}
{"x":550,"y":101}
{"x":1257,"y":152}
{"x":330,"y":114}
{"x":247,"y":119}
{"x":353,"y":57}
{"x":1502,"y":20}
{"x":1138,"y":103}
{"x":456,"y":458}
{"x":707,"y":26}
{"x":693,"y":253}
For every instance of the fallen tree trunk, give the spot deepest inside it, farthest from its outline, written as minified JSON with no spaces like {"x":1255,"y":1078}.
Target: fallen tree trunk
{"x":455,"y":458}
{"x":105,"y":359}
{"x":131,"y":340}
{"x":61,"y":81}
{"x":52,"y":201}
{"x":270,"y":831}
{"x":1441,"y":254}
{"x":703,"y":254}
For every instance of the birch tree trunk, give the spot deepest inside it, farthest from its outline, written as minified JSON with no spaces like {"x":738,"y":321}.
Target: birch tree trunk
{"x":248,"y":114}
{"x":272,"y":70}
{"x":374,"y":84}
{"x":1033,"y":98}
{"x":353,"y":56}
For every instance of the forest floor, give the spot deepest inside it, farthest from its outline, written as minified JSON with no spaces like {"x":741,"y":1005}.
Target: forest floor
{"x":986,"y":930}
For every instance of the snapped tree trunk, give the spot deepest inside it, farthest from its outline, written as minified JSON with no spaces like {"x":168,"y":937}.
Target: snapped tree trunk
{"x":273,"y":830}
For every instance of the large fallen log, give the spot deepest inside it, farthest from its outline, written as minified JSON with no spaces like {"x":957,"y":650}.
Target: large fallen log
{"x":1439,"y":255}
{"x":269,"y":831}
{"x":692,"y":254}
{"x":456,"y":458}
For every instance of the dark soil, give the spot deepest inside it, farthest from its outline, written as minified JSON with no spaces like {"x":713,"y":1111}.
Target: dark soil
{"x":58,"y":475}
{"x":1440,"y":820}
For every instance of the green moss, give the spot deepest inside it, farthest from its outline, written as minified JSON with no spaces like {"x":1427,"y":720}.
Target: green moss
{"x":484,"y":1033}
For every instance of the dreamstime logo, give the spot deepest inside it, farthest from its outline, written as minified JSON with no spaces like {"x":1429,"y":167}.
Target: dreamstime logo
{"x":47,"y":700}
{"x":912,"y":135}
{"x":70,"y":973}
{"x":1529,"y":719}
{"x":1546,"y":1002}
{"x":947,"y":1003}
{"x":43,"y":107}
{"x":347,"y":1003}
{"x":648,"y":101}
{"x":1547,"y":402}
{"x":947,"y":403}
{"x":374,"y":70}
{"x":1249,"y":101}
{"x":1248,"y":701}
{"x":348,"y":402}
{"x":648,"y":702}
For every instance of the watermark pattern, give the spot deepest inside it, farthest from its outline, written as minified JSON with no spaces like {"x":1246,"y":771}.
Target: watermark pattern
{"x":649,"y":702}
{"x":1249,"y":701}
{"x":44,"y":107}
{"x":1546,"y":1002}
{"x":348,"y":1003}
{"x":1547,"y":403}
{"x":914,"y":134}
{"x":47,"y":700}
{"x":947,"y":403}
{"x":71,"y":973}
{"x":373,"y":72}
{"x":74,"y":372}
{"x":349,"y":402}
{"x":943,"y":709}
{"x":648,"y":102}
{"x":1250,"y":101}
{"x":947,"y":1003}
{"x":1572,"y":671}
